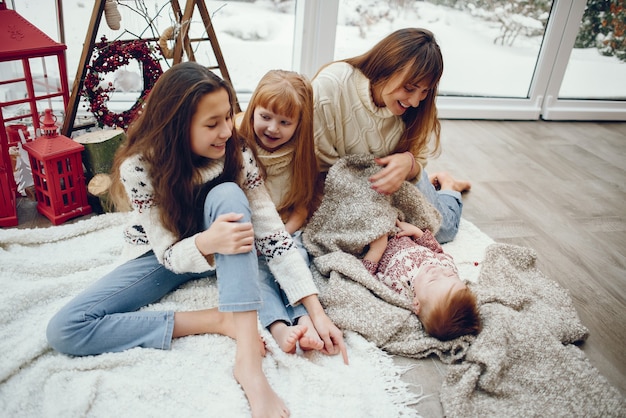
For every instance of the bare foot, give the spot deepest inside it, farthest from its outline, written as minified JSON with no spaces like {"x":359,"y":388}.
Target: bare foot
{"x":248,"y":370}
{"x":287,"y":336}
{"x":444,"y":181}
{"x":264,"y":402}
{"x":311,"y":339}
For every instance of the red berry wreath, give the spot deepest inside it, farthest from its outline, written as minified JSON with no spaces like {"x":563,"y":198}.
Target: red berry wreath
{"x":109,"y":56}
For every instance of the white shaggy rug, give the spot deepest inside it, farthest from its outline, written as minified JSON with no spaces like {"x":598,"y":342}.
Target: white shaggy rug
{"x":41,"y":269}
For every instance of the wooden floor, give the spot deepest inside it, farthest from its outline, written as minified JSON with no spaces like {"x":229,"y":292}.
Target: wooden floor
{"x":558,"y":187}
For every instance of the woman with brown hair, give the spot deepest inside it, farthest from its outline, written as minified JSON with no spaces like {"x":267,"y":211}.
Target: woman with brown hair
{"x":383,"y":103}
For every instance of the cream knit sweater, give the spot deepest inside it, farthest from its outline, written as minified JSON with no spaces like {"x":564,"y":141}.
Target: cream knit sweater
{"x":277,"y":165}
{"x":146,"y":232}
{"x":346,"y":119}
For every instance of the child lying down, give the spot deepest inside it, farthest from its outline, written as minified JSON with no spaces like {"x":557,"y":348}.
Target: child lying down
{"x":413,"y":264}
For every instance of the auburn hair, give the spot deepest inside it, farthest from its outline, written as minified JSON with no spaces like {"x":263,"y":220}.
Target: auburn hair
{"x":456,"y":315}
{"x":415,"y":53}
{"x":289,"y":94}
{"x":162,"y":136}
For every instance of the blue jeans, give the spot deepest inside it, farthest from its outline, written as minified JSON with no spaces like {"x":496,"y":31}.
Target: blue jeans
{"x":105,"y":316}
{"x":276,"y":306}
{"x":448,"y":203}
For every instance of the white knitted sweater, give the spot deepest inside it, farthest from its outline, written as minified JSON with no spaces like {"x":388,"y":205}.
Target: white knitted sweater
{"x":346,"y":119}
{"x":146,"y":232}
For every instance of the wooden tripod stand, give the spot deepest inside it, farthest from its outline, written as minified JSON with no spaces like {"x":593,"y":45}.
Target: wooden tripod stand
{"x":182,"y":42}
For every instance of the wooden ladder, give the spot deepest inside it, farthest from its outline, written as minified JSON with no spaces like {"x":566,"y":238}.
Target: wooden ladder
{"x":182,"y":42}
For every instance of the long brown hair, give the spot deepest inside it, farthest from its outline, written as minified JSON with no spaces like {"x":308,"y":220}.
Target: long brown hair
{"x":162,"y":135}
{"x":289,"y":94}
{"x":415,"y":52}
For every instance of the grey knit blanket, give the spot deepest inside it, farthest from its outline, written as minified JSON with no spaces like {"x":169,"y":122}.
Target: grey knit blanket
{"x":350,"y":216}
{"x":523,"y":363}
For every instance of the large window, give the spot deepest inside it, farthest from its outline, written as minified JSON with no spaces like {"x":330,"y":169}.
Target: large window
{"x":503,"y":60}
{"x":255,"y":37}
{"x":559,"y":59}
{"x":588,"y":81}
{"x":488,"y":51}
{"x":597,"y":66}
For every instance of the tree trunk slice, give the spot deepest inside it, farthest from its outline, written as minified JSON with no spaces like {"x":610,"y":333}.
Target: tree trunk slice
{"x":100,"y":147}
{"x":99,"y":187}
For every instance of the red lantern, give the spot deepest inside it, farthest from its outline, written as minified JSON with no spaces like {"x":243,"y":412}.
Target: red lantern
{"x":30,"y":59}
{"x":57,"y":168}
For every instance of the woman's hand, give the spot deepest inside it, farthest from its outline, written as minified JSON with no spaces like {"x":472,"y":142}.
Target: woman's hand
{"x":396,"y":168}
{"x":226,"y":236}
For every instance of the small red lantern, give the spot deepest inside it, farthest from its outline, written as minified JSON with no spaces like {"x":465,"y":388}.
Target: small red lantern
{"x":57,"y":168}
{"x":29,"y":60}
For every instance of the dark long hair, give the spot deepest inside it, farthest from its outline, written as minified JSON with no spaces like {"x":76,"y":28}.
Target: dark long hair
{"x":416,"y":51}
{"x":162,"y":135}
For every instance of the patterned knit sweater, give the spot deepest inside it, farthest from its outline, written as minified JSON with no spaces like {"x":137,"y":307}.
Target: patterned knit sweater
{"x":346,"y":119}
{"x":146,"y":232}
{"x":402,"y":259}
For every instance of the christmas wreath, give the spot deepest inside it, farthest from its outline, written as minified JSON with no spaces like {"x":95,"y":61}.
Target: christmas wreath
{"x":109,"y":56}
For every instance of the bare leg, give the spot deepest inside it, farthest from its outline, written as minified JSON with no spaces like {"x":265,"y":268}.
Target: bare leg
{"x":311,"y":339}
{"x":287,"y":336}
{"x":444,"y":181}
{"x":208,"y":321}
{"x":264,"y":402}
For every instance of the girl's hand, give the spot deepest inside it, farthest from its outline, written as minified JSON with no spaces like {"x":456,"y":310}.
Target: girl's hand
{"x":332,"y":337}
{"x":408,"y":230}
{"x":396,"y":168}
{"x":226,"y":236}
{"x":326,"y":329}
